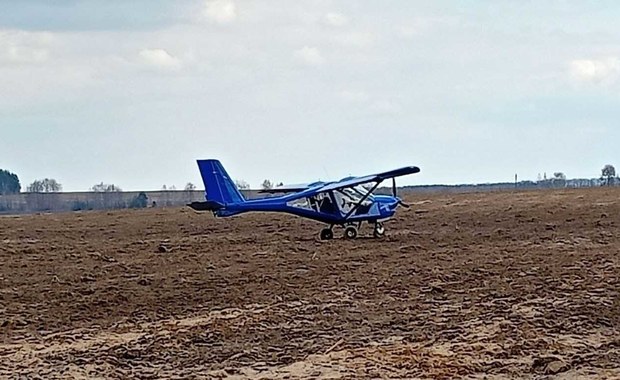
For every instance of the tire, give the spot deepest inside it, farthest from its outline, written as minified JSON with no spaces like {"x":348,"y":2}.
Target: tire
{"x":327,"y":234}
{"x":350,"y":232}
{"x":379,"y":231}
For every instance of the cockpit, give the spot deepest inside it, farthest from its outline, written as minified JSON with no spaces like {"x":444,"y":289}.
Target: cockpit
{"x":339,"y":201}
{"x":356,"y":194}
{"x":357,"y":197}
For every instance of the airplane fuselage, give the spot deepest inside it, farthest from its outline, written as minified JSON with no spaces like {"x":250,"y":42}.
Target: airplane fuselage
{"x":380,"y":208}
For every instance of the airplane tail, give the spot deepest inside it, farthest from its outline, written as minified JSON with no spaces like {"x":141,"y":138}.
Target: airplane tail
{"x":220,"y":191}
{"x":219,"y":187}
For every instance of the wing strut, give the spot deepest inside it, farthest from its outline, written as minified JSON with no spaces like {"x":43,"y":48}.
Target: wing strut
{"x":362,"y":200}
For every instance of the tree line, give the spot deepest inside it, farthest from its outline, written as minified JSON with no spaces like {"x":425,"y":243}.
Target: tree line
{"x":265,"y":185}
{"x":10,"y":183}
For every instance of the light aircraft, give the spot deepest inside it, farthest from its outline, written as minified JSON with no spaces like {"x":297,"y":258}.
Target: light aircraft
{"x":345,"y":203}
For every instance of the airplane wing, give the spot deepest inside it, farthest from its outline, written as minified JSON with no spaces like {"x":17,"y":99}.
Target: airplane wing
{"x":370,"y":178}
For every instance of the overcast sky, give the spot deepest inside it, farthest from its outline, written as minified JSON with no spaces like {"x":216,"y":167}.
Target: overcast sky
{"x":133,"y":92}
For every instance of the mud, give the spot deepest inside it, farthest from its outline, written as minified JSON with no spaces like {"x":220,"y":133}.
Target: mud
{"x":480,"y":286}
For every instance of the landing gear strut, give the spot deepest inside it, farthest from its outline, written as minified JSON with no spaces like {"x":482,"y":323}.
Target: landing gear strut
{"x":379,"y":230}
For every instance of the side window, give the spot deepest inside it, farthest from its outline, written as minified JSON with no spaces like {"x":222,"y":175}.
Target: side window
{"x":325,"y":203}
{"x":344,"y":201}
{"x":321,"y":202}
{"x":304,"y":203}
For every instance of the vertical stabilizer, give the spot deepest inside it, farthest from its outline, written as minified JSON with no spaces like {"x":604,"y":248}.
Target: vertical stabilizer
{"x":219,"y":186}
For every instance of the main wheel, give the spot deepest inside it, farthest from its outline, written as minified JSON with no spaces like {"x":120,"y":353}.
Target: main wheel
{"x":379,"y":230}
{"x":327,"y":234}
{"x":350,"y":232}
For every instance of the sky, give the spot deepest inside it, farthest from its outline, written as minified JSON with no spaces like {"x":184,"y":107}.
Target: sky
{"x":132,"y":93}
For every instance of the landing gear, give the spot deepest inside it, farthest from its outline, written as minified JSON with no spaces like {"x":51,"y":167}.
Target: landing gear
{"x":327,"y":234}
{"x":379,"y":230}
{"x":350,"y":232}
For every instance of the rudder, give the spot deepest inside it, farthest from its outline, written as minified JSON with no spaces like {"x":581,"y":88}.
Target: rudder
{"x":219,"y":187}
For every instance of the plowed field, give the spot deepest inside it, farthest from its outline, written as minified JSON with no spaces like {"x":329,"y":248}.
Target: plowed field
{"x":495,"y":285}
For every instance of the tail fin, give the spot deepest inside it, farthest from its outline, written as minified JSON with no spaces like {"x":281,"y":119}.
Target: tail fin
{"x":218,"y":185}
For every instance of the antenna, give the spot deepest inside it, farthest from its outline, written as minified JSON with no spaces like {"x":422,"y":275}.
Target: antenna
{"x":326,"y":172}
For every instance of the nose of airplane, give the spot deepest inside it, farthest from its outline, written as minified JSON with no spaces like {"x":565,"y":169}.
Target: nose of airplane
{"x":394,"y":203}
{"x":388,"y":202}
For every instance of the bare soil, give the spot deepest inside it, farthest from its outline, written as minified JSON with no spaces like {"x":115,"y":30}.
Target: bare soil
{"x":481,"y":286}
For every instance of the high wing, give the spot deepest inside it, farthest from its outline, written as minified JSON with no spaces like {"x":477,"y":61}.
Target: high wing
{"x":349,"y":182}
{"x":378,"y":178}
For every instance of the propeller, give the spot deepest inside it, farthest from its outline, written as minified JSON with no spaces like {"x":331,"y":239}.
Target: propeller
{"x":394,"y":193}
{"x":394,"y":187}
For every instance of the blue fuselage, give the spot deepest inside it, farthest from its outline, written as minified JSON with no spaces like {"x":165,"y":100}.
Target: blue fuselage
{"x":375,"y":208}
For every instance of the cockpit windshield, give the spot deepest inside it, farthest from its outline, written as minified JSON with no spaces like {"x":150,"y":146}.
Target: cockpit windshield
{"x":357,"y":193}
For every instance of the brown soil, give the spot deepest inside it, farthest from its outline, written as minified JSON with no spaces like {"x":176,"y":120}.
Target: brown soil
{"x":496,"y":285}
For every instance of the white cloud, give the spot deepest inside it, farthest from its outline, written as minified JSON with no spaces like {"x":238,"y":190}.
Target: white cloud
{"x":220,"y":11}
{"x":409,"y":31}
{"x":309,"y":56}
{"x":385,"y":107}
{"x":25,"y":54}
{"x":419,"y":26}
{"x":354,"y":96}
{"x":21,"y":47}
{"x":357,"y":40}
{"x":336,"y":19}
{"x":159,"y":58}
{"x":602,"y":71}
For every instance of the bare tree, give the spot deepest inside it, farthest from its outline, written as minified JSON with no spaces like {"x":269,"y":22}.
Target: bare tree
{"x":608,"y":173}
{"x":106,"y":188}
{"x":35,"y":187}
{"x":242,"y":185}
{"x":189,"y":189}
{"x":267,"y":184}
{"x":46,"y":185}
{"x":40,"y":198}
{"x":110,"y":196}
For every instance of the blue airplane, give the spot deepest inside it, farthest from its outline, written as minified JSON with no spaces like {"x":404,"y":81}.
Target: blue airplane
{"x":345,"y":203}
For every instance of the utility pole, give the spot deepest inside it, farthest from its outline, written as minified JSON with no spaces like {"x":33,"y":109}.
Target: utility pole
{"x":516,"y":180}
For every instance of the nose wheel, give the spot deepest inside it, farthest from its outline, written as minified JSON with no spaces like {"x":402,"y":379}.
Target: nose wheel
{"x":379,"y":230}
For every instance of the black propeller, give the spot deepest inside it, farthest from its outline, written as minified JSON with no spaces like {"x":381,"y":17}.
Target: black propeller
{"x":394,"y":193}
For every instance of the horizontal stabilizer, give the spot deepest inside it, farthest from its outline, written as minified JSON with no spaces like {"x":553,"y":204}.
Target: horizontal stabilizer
{"x":206,"y":206}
